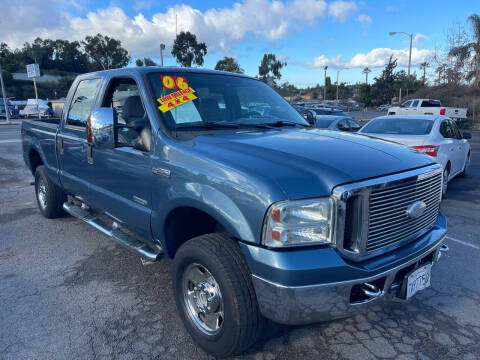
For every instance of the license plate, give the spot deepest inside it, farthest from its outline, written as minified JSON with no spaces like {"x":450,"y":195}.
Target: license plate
{"x":418,"y":280}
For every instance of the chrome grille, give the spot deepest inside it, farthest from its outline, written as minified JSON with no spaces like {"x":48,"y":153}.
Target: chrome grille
{"x":388,"y":220}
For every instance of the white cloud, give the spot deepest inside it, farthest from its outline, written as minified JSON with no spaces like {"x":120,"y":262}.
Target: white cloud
{"x":366,"y":21}
{"x":221,"y":29}
{"x":419,"y":39}
{"x":142,"y":4}
{"x":341,"y":10}
{"x":374,"y":58}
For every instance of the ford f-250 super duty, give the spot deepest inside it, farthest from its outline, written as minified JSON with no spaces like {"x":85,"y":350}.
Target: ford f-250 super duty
{"x":264,"y":217}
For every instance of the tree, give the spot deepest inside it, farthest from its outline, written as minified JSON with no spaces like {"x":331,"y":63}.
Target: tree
{"x":270,"y":66}
{"x":187,"y":50}
{"x":366,"y":71}
{"x":139,"y":62}
{"x":105,"y":52}
{"x":69,"y":57}
{"x":423,"y":67}
{"x":385,"y":83}
{"x":149,"y":62}
{"x":470,"y":52}
{"x":228,"y":64}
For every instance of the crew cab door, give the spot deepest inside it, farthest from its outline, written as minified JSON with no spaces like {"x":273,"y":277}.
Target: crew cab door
{"x":404,"y":108}
{"x":121,"y":177}
{"x":71,"y":140}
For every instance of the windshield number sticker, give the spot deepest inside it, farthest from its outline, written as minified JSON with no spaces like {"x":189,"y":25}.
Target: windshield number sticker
{"x":174,"y":82}
{"x":177,"y":98}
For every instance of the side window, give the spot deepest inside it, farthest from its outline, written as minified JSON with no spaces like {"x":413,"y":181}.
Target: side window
{"x":446,"y":130}
{"x":133,"y":127}
{"x":407,"y":103}
{"x":82,"y":102}
{"x":415,"y":103}
{"x":343,"y":125}
{"x":456,"y":130}
{"x":354,"y":126}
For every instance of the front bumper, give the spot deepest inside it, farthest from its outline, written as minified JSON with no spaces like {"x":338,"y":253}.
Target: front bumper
{"x":336,"y":285}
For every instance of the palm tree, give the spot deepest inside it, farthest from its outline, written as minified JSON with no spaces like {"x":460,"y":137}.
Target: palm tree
{"x":366,"y":70}
{"x":471,"y":52}
{"x":423,"y":66}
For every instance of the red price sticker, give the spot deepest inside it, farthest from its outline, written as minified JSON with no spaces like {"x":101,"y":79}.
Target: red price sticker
{"x":174,"y":82}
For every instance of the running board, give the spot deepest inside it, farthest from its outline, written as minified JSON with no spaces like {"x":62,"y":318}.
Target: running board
{"x":136,"y":246}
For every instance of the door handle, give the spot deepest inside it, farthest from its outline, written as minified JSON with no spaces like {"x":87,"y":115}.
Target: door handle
{"x":90,"y":153}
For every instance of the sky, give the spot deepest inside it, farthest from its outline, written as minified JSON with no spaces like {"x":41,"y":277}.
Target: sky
{"x":307,"y":34}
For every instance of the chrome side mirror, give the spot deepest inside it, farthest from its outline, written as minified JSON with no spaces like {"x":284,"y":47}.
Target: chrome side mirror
{"x":311,"y":117}
{"x":101,"y":128}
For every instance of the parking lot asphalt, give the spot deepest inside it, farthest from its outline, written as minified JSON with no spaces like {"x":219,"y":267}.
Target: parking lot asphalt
{"x":68,"y":292}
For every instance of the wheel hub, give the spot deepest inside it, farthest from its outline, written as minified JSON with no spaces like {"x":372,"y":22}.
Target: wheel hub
{"x":206,"y":297}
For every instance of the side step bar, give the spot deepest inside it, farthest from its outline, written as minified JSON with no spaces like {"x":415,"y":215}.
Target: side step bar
{"x":136,"y":246}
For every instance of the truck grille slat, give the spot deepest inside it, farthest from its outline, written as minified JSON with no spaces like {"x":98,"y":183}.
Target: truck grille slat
{"x":388,"y":219}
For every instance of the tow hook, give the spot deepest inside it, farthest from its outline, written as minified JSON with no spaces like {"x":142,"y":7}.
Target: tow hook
{"x":371,"y":291}
{"x":443,"y":249}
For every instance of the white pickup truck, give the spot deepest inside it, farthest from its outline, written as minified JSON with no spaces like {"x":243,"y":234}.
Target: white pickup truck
{"x":427,"y":107}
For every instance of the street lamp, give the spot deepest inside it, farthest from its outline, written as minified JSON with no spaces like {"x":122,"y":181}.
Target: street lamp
{"x":391,"y":33}
{"x":162,"y":47}
{"x":338,"y":71}
{"x":325,"y":84}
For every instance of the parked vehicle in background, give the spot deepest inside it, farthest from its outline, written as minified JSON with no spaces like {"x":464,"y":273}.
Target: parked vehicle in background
{"x":264,"y":216}
{"x":427,"y":107}
{"x":383,"y":107}
{"x":437,"y":136}
{"x":334,"y":122}
{"x":12,"y":110}
{"x":311,"y":113}
{"x":31,"y":109}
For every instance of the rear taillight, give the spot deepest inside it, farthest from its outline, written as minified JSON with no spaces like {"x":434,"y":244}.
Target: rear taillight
{"x":442,"y":111}
{"x":427,"y":149}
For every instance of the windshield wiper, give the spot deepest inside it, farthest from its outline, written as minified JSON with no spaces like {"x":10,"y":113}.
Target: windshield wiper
{"x":285,"y":123}
{"x":208,"y":125}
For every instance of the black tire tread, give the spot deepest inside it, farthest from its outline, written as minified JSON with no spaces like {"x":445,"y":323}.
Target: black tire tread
{"x":227,"y":251}
{"x":56,"y":196}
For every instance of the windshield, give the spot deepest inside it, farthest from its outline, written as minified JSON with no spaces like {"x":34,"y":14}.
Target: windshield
{"x":398,"y":126}
{"x":190,"y":100}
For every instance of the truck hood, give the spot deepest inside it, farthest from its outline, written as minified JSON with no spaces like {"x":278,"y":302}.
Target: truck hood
{"x":308,"y":162}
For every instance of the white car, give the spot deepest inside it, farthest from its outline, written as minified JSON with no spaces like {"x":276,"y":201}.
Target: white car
{"x":437,"y":136}
{"x":427,"y":107}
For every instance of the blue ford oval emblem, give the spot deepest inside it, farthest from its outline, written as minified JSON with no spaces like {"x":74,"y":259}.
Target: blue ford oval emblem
{"x":416,"y":209}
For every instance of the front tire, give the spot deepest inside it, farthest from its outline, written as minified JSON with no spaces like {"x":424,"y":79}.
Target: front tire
{"x":50,"y":197}
{"x":215,"y":296}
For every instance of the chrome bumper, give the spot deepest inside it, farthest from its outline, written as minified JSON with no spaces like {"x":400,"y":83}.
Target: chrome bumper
{"x":295,"y":305}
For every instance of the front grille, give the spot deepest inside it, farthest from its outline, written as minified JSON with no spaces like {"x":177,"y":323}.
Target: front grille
{"x":388,"y":220}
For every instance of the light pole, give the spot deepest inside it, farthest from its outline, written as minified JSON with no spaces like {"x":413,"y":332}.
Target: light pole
{"x":325,"y":84}
{"x":338,"y":71}
{"x":391,"y":33}
{"x":5,"y":106}
{"x":162,"y":47}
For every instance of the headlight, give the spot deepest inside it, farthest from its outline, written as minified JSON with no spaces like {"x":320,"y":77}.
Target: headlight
{"x":299,"y":223}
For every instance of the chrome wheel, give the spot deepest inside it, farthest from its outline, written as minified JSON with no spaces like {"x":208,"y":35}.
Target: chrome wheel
{"x":203,"y":299}
{"x":42,"y":193}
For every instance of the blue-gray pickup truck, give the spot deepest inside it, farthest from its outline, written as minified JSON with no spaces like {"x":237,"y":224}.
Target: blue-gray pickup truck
{"x":264,"y":216}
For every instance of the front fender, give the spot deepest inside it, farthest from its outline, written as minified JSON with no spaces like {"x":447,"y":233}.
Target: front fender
{"x":209,"y":200}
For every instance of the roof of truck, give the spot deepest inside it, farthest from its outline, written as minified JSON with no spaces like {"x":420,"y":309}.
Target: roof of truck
{"x":164,"y":69}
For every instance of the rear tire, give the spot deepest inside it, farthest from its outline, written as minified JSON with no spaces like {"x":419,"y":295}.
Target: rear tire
{"x":464,"y":173}
{"x":446,"y":174}
{"x":50,"y":197}
{"x":232,"y":295}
